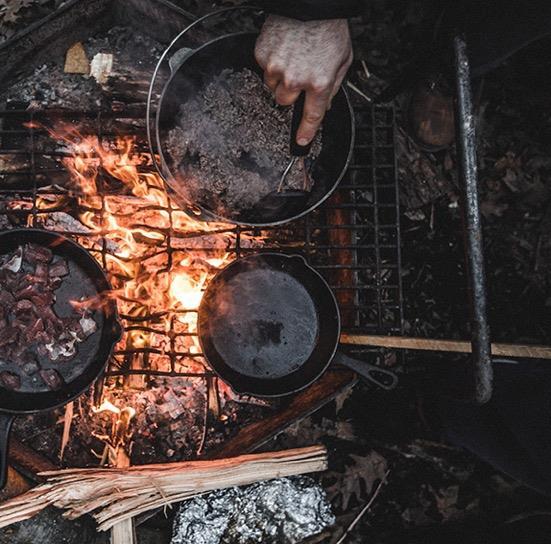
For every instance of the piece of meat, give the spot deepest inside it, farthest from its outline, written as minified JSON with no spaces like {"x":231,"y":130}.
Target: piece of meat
{"x":52,"y":378}
{"x":6,"y":298}
{"x":10,"y":281}
{"x":58,"y":269}
{"x":9,"y":380}
{"x":43,"y":299}
{"x":23,"y":305}
{"x":8,"y":335}
{"x":34,"y":254}
{"x":33,"y":330}
{"x":27,"y":292}
{"x":55,"y":282}
{"x":41,"y":271}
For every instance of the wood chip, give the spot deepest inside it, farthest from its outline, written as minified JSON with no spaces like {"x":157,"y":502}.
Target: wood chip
{"x":76,"y":61}
{"x":101,"y":68}
{"x":67,"y":422}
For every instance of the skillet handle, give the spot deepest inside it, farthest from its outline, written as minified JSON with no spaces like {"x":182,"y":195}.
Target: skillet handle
{"x":379,"y":376}
{"x":298,"y":109}
{"x":5,"y":426}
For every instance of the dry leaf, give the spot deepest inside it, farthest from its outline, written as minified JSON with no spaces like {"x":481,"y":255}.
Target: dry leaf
{"x":340,"y":399}
{"x":11,"y":9}
{"x":309,"y":431}
{"x":345,"y":430}
{"x":367,"y":469}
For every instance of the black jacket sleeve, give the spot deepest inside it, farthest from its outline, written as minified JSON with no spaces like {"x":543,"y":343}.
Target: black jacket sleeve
{"x":308,"y":10}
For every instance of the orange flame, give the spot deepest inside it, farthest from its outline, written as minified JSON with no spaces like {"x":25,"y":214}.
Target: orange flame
{"x":106,"y":406}
{"x":134,"y":224}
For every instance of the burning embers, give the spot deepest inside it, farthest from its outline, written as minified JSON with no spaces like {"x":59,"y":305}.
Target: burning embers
{"x":158,"y":259}
{"x":114,"y":453}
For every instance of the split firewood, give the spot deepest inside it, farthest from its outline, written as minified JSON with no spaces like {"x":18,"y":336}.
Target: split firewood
{"x":123,"y":532}
{"x":112,"y":496}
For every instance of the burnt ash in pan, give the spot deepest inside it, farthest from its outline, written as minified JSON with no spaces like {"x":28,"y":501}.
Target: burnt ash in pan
{"x":231,"y":144}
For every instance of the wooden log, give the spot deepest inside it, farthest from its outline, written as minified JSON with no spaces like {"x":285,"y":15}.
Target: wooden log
{"x":16,"y":484}
{"x":27,"y":461}
{"x":299,"y":407}
{"x":458,"y":346}
{"x":115,"y":495}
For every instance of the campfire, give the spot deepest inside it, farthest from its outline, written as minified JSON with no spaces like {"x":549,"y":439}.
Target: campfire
{"x":74,"y":159}
{"x":102,"y":191}
{"x":157,"y":282}
{"x":93,"y":96}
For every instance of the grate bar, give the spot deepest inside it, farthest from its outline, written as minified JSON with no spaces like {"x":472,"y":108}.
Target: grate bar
{"x":372,"y":203}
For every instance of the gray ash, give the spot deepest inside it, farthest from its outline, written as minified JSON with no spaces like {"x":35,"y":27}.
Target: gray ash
{"x":134,"y":59}
{"x":231,"y":144}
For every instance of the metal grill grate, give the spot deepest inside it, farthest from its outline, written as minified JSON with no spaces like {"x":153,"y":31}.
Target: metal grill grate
{"x":353,"y":240}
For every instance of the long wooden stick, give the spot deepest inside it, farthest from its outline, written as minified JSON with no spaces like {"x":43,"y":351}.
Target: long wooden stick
{"x":457,"y":346}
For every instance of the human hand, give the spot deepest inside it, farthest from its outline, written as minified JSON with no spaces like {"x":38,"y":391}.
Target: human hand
{"x":310,"y":56}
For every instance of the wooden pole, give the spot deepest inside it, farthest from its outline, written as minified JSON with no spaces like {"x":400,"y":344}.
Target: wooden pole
{"x":457,"y":346}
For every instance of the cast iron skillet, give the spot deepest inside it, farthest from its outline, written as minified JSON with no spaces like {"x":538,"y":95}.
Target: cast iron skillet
{"x":269,"y":325}
{"x":86,"y":279}
{"x":195,"y":69}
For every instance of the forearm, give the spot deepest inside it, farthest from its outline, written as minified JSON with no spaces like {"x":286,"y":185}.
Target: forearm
{"x":308,"y":10}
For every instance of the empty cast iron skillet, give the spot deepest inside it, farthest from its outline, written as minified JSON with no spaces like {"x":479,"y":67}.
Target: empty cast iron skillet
{"x":269,"y":325}
{"x":86,"y":279}
{"x":194,"y":70}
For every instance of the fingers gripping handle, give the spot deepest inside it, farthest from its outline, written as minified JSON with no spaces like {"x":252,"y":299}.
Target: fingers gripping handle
{"x":5,"y":426}
{"x":379,"y":376}
{"x":298,"y":111}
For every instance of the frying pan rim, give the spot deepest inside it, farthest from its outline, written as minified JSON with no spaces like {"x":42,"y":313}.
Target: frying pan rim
{"x":113,"y":317}
{"x":337,"y":326}
{"x":211,"y":216}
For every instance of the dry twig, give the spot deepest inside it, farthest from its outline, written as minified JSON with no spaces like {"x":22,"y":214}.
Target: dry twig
{"x":364,"y":509}
{"x":358,"y":91}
